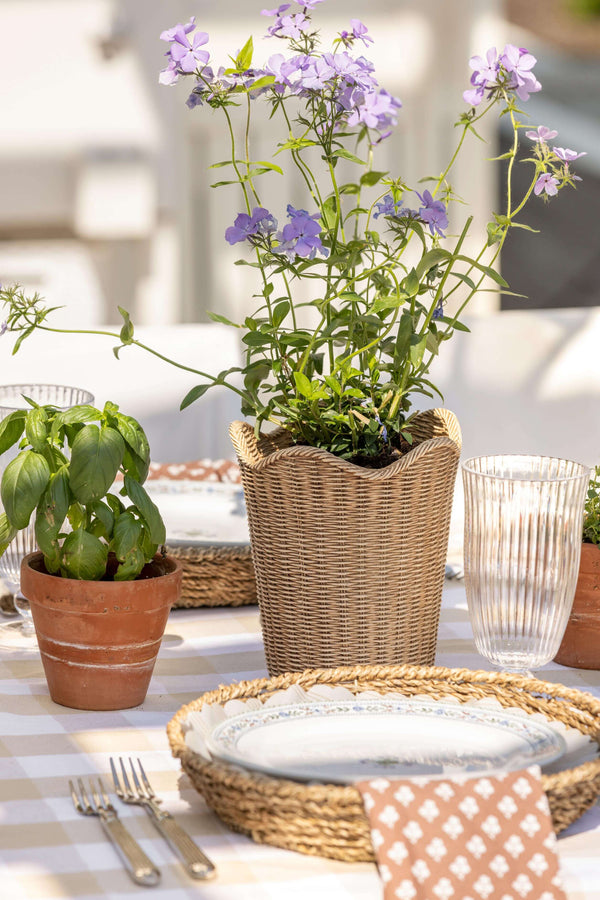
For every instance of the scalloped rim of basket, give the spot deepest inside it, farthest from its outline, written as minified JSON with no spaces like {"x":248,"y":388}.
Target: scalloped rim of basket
{"x":577,"y":709}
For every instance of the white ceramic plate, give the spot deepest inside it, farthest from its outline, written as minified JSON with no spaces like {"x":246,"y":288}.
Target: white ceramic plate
{"x":345,"y":741}
{"x":201,"y":512}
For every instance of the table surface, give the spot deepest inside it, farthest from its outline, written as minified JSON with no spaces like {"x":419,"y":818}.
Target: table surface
{"x":49,"y":851}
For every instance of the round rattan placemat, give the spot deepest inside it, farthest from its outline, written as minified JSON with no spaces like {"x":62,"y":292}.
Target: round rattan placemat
{"x":215,"y":576}
{"x":328,"y":820}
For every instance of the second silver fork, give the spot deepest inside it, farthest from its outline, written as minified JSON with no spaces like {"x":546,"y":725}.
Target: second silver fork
{"x":196,"y":863}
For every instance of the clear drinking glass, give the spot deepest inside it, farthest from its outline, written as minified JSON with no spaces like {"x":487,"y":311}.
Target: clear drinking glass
{"x":21,"y":633}
{"x":523,"y":534}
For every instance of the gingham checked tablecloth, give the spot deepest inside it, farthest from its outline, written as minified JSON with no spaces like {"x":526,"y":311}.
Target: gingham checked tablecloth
{"x":48,"y":851}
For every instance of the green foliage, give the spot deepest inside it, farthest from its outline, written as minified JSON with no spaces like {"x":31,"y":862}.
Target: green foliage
{"x":591,"y":522}
{"x":61,"y":478}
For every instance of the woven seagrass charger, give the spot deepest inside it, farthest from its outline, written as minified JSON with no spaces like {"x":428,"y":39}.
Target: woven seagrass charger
{"x":329,"y":820}
{"x":213,"y":575}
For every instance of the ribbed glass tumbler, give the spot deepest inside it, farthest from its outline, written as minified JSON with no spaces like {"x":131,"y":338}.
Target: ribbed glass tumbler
{"x":523,"y":534}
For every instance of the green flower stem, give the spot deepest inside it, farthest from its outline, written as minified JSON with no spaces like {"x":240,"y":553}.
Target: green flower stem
{"x":247,"y":147}
{"x":466,"y":128}
{"x":234,"y":162}
{"x":142,"y":346}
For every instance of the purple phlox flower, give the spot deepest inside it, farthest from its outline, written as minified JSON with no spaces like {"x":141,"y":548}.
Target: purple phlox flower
{"x":260,"y":222}
{"x":170,"y":75}
{"x":438,"y":312}
{"x":300,"y":237}
{"x":3,"y":328}
{"x":359,"y":33}
{"x":377,"y":110}
{"x":541,"y":134}
{"x":519,"y":62}
{"x":387,"y":207}
{"x":308,"y":4}
{"x":171,"y":33}
{"x":289,"y":26}
{"x":546,"y":183}
{"x":567,"y":155}
{"x":187,"y":54}
{"x":384,"y":431}
{"x":433,"y":212}
{"x":317,"y":73}
{"x":353,"y":71}
{"x":484,"y":77}
{"x":276,"y":12}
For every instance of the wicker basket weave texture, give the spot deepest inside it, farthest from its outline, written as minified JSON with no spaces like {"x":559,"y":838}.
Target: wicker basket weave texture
{"x":328,"y":820}
{"x":349,"y":561}
{"x":215,"y":576}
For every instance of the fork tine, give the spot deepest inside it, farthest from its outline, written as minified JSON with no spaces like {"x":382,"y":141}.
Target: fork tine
{"x":145,"y":781}
{"x":95,"y":798}
{"x":128,"y":787}
{"x":104,"y":795}
{"x":118,"y":789}
{"x":84,"y":797}
{"x":138,"y":786}
{"x":75,"y":798}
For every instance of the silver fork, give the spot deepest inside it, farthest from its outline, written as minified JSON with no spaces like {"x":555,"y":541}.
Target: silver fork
{"x":139,"y":867}
{"x":196,"y":863}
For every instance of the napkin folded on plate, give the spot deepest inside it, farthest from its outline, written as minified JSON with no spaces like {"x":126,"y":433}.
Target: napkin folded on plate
{"x":464,"y":837}
{"x":197,"y":470}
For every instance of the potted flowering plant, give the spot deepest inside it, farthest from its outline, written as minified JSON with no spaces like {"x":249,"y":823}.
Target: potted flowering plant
{"x":100,"y":592}
{"x":580,"y":645}
{"x":349,"y":498}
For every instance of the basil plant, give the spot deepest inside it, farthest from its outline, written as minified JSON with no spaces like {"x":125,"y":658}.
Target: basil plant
{"x":68,"y":461}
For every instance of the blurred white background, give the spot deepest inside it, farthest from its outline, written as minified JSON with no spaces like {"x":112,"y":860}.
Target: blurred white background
{"x":106,"y":201}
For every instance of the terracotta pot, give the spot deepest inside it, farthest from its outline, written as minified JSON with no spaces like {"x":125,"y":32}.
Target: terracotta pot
{"x":580,"y":646}
{"x":99,"y":639}
{"x":349,"y":561}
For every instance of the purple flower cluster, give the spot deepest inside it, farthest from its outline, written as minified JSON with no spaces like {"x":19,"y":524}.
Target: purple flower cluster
{"x":432,"y":212}
{"x":246,"y":227}
{"x":359,"y":33}
{"x":375,"y":109}
{"x":286,"y":26}
{"x":510,"y":70}
{"x":3,"y":328}
{"x":184,"y":54}
{"x":300,"y":237}
{"x":548,"y":183}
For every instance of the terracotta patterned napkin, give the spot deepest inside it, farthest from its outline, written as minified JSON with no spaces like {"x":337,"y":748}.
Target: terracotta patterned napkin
{"x":464,"y":838}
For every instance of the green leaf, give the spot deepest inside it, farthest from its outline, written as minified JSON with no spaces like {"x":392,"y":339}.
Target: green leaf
{"x":148,"y":510}
{"x":271,"y":167}
{"x":222,"y":319}
{"x":77,"y":414}
{"x":255,"y":373}
{"x":36,"y":427}
{"x":303,"y":385}
{"x":134,"y":465}
{"x":84,"y":556}
{"x":458,"y":326}
{"x":411,"y":284}
{"x":417,"y":349}
{"x":51,"y":514}
{"x":371,"y":178}
{"x":491,"y":273}
{"x":134,"y":436}
{"x":126,"y":333}
{"x":244,"y":58}
{"x":258,"y":85}
{"x":11,"y":429}
{"x":431,"y":259}
{"x":23,"y":483}
{"x":405,"y":331}
{"x":280,"y":312}
{"x":329,"y":211}
{"x":7,"y":532}
{"x":194,"y":394}
{"x":126,"y":544}
{"x":334,"y":384}
{"x":96,"y":455}
{"x":115,"y":504}
{"x":345,"y":154}
{"x":105,"y":516}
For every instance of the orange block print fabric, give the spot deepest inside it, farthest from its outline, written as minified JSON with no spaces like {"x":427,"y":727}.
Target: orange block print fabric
{"x":464,"y":838}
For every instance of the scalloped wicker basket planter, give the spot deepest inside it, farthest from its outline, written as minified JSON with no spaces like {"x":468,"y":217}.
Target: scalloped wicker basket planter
{"x":329,"y":820}
{"x":349,"y":561}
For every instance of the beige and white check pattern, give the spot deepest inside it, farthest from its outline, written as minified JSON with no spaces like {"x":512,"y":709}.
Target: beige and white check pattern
{"x":47,"y":851}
